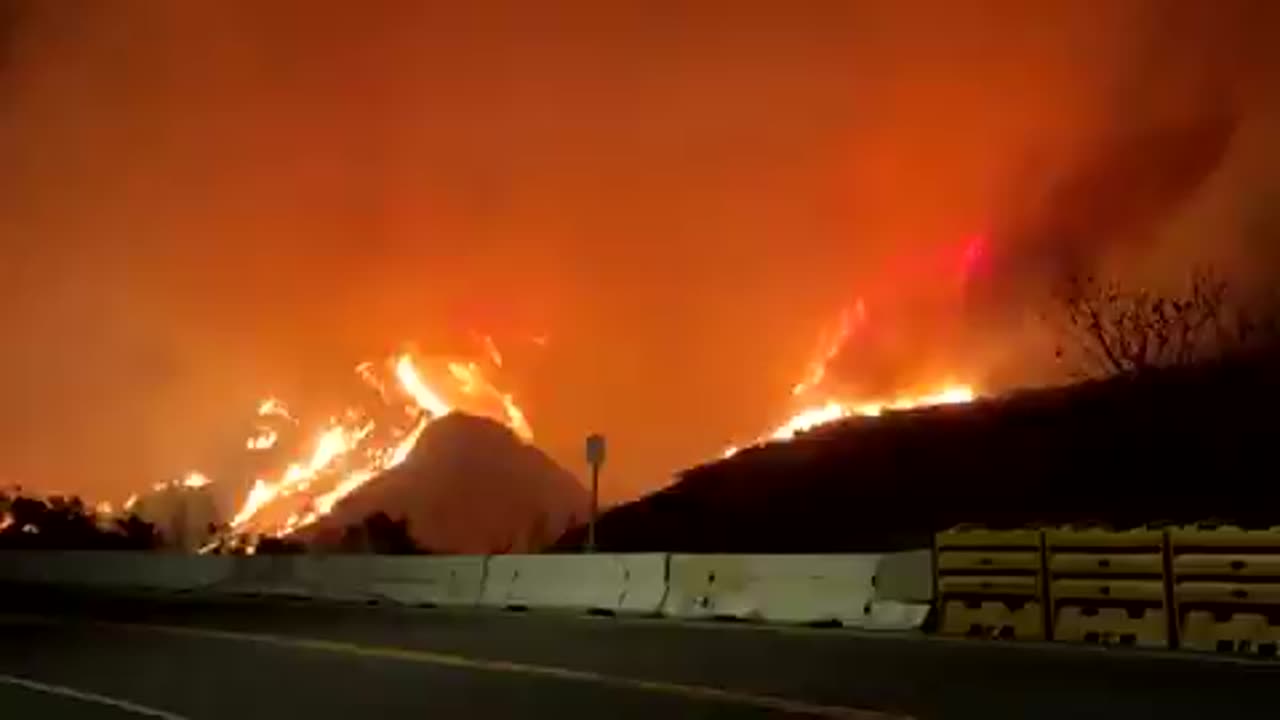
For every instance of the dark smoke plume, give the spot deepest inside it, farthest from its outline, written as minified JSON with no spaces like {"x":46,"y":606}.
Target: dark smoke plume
{"x":1111,"y":198}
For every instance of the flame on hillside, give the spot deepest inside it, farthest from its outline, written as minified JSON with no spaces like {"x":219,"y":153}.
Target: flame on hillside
{"x":355,"y":446}
{"x":820,"y":407}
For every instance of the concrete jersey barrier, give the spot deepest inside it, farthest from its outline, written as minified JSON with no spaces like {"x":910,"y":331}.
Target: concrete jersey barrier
{"x":114,"y":570}
{"x":632,"y":583}
{"x":443,"y":581}
{"x":779,"y":588}
{"x":267,"y":575}
{"x":810,"y":589}
{"x":905,"y":576}
{"x":408,"y":580}
{"x":903,"y":591}
{"x":871,"y":591}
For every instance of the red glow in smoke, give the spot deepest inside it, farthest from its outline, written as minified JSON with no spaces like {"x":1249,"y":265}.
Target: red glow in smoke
{"x":975,"y":251}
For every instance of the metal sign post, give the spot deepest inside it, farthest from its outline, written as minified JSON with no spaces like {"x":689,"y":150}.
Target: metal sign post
{"x":595,"y":458}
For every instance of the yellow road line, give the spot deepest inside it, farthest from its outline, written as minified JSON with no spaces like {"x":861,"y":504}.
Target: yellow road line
{"x":698,"y":692}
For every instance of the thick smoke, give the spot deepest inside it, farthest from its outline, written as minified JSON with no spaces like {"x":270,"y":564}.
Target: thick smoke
{"x":1168,"y":130}
{"x":203,"y":202}
{"x":1114,"y":194}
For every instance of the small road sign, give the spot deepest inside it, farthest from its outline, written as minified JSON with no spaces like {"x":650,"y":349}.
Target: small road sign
{"x":595,"y":449}
{"x":595,"y":458}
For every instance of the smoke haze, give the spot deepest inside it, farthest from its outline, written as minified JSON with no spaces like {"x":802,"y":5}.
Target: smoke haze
{"x":208,"y":201}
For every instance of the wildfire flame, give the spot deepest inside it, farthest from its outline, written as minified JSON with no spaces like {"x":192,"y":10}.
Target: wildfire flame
{"x":265,"y":439}
{"x":271,"y":407}
{"x":412,"y":383}
{"x":195,"y":480}
{"x":495,"y":356}
{"x":353,"y":448}
{"x":828,"y":347}
{"x":810,"y":417}
{"x":192,"y":481}
{"x":832,"y":408}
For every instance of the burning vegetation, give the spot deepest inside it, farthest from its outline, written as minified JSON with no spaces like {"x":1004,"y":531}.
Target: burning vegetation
{"x":353,"y":447}
{"x":820,"y":401}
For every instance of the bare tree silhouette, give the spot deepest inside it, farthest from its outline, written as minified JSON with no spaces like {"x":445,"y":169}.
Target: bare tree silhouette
{"x":1116,"y":331}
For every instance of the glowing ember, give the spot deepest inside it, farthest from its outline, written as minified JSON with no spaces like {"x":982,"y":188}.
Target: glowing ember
{"x":366,"y":372}
{"x":491,"y":348}
{"x":271,"y":407}
{"x":192,"y":481}
{"x":195,"y":480}
{"x":265,"y":439}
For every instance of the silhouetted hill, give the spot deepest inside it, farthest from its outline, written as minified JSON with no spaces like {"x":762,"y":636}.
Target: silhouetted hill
{"x":1181,"y":445}
{"x":469,"y":486}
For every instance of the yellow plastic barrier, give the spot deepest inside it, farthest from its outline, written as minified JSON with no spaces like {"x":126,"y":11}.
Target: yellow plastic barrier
{"x":1249,"y":633}
{"x":993,"y":619}
{"x":990,"y":583}
{"x":1226,"y":589}
{"x":1111,"y":626}
{"x":1108,"y":587}
{"x":1104,"y":590}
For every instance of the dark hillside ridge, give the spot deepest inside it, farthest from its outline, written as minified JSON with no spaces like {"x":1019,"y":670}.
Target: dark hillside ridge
{"x":1175,"y":446}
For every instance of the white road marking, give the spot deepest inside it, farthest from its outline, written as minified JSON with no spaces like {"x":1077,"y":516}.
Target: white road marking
{"x":89,"y":697}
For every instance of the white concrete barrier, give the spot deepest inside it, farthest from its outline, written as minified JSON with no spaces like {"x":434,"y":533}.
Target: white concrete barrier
{"x":269,"y":575}
{"x":333,"y":577}
{"x":175,"y":571}
{"x":905,"y":576}
{"x":632,"y":583}
{"x":445,"y":581}
{"x":97,"y":569}
{"x":810,"y":589}
{"x":903,"y":591}
{"x":870,"y":591}
{"x":116,"y":570}
{"x":409,"y":580}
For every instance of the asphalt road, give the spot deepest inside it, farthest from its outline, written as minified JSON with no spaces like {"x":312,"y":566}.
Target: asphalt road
{"x":98,"y":657}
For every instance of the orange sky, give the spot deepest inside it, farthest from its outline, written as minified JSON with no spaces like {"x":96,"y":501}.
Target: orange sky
{"x":206,"y":201}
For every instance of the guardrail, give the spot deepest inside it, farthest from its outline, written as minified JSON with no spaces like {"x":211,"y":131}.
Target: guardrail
{"x":873,"y":591}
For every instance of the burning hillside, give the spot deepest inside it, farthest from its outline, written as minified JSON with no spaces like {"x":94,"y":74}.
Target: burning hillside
{"x":824,"y":393}
{"x":308,"y":471}
{"x":469,"y":485}
{"x":478,"y":484}
{"x":1174,"y":446}
{"x":441,"y":444}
